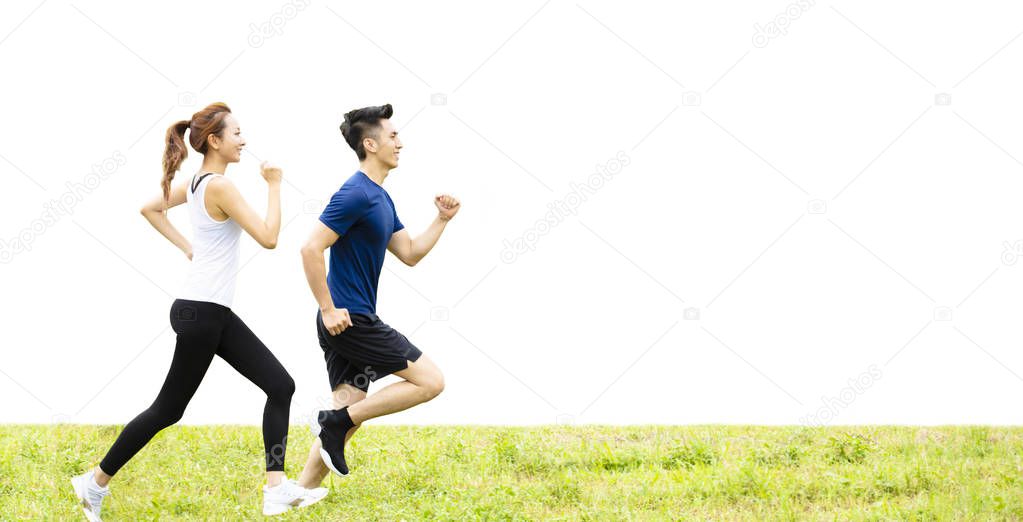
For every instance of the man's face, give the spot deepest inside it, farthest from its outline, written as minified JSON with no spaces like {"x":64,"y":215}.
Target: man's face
{"x":386,"y":146}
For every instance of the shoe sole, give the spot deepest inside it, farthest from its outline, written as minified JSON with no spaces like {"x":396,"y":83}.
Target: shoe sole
{"x":82,"y":502}
{"x":276,"y":509}
{"x":325,"y":457}
{"x":273,"y":509}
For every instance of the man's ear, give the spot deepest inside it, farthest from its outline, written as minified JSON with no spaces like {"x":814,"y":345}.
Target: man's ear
{"x":369,"y":144}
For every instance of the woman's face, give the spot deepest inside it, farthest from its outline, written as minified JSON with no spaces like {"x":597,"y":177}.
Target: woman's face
{"x":230,"y":142}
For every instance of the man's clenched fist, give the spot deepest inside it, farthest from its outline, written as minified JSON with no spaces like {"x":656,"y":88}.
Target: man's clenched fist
{"x":447,"y":206}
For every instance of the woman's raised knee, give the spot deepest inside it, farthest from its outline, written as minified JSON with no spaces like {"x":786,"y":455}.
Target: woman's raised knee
{"x":282,"y":389}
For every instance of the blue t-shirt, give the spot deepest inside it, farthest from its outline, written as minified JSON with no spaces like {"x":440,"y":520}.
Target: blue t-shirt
{"x":363,"y":215}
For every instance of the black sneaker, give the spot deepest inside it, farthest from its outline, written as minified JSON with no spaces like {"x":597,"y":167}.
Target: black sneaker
{"x":333,"y":426}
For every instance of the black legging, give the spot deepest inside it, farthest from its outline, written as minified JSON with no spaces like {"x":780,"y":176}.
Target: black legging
{"x":205,"y":329}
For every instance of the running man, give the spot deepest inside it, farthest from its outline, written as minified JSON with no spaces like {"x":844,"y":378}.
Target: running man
{"x":358,"y":225}
{"x":201,"y":316}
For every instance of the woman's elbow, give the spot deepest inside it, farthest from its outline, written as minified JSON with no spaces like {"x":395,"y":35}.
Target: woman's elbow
{"x":267,"y":241}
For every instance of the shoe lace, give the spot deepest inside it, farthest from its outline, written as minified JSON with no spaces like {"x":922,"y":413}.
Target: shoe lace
{"x":291,"y":488}
{"x":95,"y":496}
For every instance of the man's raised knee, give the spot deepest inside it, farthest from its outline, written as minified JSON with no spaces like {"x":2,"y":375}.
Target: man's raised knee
{"x":433,"y":386}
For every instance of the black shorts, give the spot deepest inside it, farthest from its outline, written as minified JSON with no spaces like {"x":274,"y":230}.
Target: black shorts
{"x":364,"y":352}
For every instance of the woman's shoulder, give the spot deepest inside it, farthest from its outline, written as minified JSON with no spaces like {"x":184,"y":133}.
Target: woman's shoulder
{"x":218,"y":183}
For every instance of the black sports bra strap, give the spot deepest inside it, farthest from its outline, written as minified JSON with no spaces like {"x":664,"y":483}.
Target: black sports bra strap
{"x":195,"y":184}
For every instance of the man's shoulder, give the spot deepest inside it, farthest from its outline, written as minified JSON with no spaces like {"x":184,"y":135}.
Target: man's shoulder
{"x":353,"y":181}
{"x":352,"y":187}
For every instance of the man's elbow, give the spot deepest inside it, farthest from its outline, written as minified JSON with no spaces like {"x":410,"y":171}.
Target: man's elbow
{"x":410,"y":259}
{"x":309,"y":251}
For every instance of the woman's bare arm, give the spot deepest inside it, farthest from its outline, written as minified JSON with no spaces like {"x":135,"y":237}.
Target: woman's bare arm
{"x":228,"y":199}
{"x":156,"y":213}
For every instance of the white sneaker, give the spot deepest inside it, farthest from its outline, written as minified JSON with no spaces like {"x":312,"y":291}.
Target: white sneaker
{"x":288,"y":494}
{"x":90,"y":494}
{"x":313,"y":496}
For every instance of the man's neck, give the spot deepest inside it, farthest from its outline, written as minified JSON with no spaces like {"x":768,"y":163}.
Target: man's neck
{"x":375,"y":171}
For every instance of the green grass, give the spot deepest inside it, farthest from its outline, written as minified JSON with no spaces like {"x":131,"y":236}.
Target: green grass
{"x":555,"y":472}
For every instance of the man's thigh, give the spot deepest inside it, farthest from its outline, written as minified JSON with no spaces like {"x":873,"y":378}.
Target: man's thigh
{"x":346,"y":395}
{"x":422,"y":372}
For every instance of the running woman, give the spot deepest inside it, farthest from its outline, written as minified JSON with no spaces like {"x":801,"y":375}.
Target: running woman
{"x":358,"y":225}
{"x":201,"y":316}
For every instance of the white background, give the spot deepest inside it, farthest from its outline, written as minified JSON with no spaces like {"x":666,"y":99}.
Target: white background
{"x":840,"y":201}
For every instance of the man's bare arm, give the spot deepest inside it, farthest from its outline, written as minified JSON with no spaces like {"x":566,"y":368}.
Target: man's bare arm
{"x":335,"y":320}
{"x":411,"y":250}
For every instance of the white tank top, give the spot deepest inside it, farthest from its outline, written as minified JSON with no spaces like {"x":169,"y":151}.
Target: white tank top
{"x":214,"y":264}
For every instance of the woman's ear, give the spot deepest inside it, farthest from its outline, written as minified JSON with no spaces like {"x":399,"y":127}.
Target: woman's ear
{"x":213,"y":141}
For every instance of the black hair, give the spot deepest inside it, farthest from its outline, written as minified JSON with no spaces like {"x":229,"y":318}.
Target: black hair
{"x":362,"y":123}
